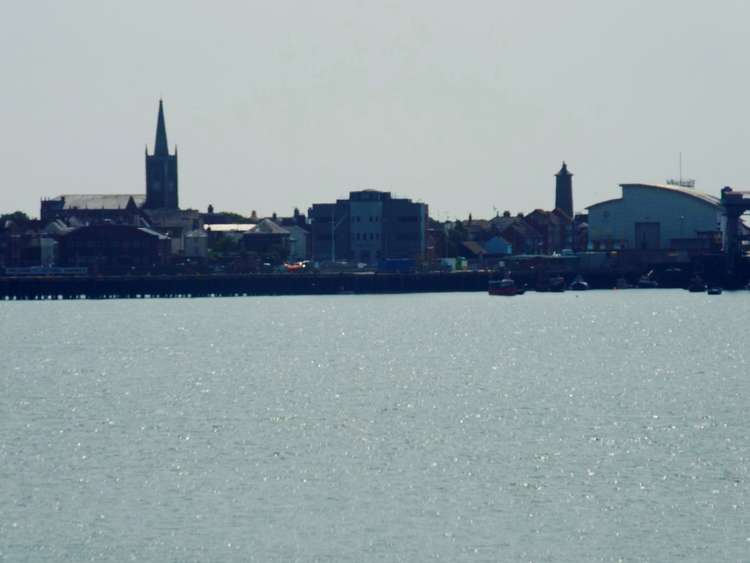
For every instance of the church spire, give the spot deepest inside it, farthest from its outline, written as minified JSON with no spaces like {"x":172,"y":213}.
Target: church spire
{"x":564,"y":170}
{"x":161,"y":170}
{"x":160,"y":145}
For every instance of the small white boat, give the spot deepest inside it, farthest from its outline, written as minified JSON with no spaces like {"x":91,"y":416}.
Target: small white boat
{"x":647,"y":281}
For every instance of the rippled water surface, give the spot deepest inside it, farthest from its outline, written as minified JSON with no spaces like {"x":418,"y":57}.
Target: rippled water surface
{"x":599,"y":426}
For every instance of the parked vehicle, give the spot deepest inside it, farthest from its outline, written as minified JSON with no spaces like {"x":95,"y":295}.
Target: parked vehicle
{"x":295,"y":266}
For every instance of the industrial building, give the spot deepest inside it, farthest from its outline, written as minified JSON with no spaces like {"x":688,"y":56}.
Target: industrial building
{"x":656,"y":217}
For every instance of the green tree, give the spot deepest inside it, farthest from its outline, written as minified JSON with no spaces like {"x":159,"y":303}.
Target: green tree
{"x":230,"y":217}
{"x":454,"y":238}
{"x":16,"y":217}
{"x":223,"y":245}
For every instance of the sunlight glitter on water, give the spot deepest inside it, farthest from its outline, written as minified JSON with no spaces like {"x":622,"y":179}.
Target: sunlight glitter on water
{"x":360,"y":428}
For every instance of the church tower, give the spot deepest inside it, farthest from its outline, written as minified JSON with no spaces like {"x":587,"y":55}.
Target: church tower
{"x":564,"y":191}
{"x":161,"y":170}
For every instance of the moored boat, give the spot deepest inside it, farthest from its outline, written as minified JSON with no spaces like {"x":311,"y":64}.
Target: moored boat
{"x":696,"y":285}
{"x":579,"y":284}
{"x":554,"y":284}
{"x":505,"y":286}
{"x":622,"y":283}
{"x":647,"y":281}
{"x":714,"y":290}
{"x":647,"y":284}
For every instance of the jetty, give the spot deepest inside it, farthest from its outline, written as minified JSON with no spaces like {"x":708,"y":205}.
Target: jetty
{"x":233,"y":285}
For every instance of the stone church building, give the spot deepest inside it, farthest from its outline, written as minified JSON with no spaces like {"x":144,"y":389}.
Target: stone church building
{"x":158,"y":209}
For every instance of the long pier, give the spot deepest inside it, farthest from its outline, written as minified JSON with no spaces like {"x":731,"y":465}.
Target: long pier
{"x":713,"y":268}
{"x":139,"y":287}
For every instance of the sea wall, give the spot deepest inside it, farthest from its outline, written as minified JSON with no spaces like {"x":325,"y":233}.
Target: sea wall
{"x":231,"y":285}
{"x":104,"y":287}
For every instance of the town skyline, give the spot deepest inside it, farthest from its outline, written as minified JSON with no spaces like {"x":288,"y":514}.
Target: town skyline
{"x":470,"y":113}
{"x":440,"y":215}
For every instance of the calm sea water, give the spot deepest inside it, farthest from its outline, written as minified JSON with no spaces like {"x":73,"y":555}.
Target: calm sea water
{"x":599,"y":426}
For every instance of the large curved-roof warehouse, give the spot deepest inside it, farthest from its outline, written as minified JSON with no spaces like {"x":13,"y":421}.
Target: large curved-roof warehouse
{"x":656,"y":216}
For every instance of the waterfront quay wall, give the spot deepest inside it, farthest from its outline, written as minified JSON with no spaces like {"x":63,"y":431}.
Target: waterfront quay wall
{"x":529,"y":275}
{"x":671,"y":269}
{"x":235,"y":285}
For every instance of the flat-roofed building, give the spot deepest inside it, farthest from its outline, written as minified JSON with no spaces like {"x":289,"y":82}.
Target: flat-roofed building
{"x":369,"y":226}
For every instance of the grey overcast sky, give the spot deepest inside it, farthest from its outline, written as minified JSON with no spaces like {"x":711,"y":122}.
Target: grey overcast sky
{"x":463,"y":105}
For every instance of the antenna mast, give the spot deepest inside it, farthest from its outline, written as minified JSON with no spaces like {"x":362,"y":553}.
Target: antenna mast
{"x":681,"y":182}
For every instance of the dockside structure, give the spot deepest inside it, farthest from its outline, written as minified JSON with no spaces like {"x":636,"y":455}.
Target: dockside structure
{"x":651,"y":217}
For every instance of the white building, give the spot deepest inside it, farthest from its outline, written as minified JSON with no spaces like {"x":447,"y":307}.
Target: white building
{"x":233,"y":231}
{"x":297,"y":243}
{"x":196,"y":244}
{"x":656,"y":216}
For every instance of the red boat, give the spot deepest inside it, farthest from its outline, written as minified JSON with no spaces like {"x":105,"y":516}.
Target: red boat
{"x":505,"y":286}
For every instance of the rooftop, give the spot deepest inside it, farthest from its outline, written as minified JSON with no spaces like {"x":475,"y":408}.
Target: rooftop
{"x":100,"y":201}
{"x":690,"y":192}
{"x":230,"y":227}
